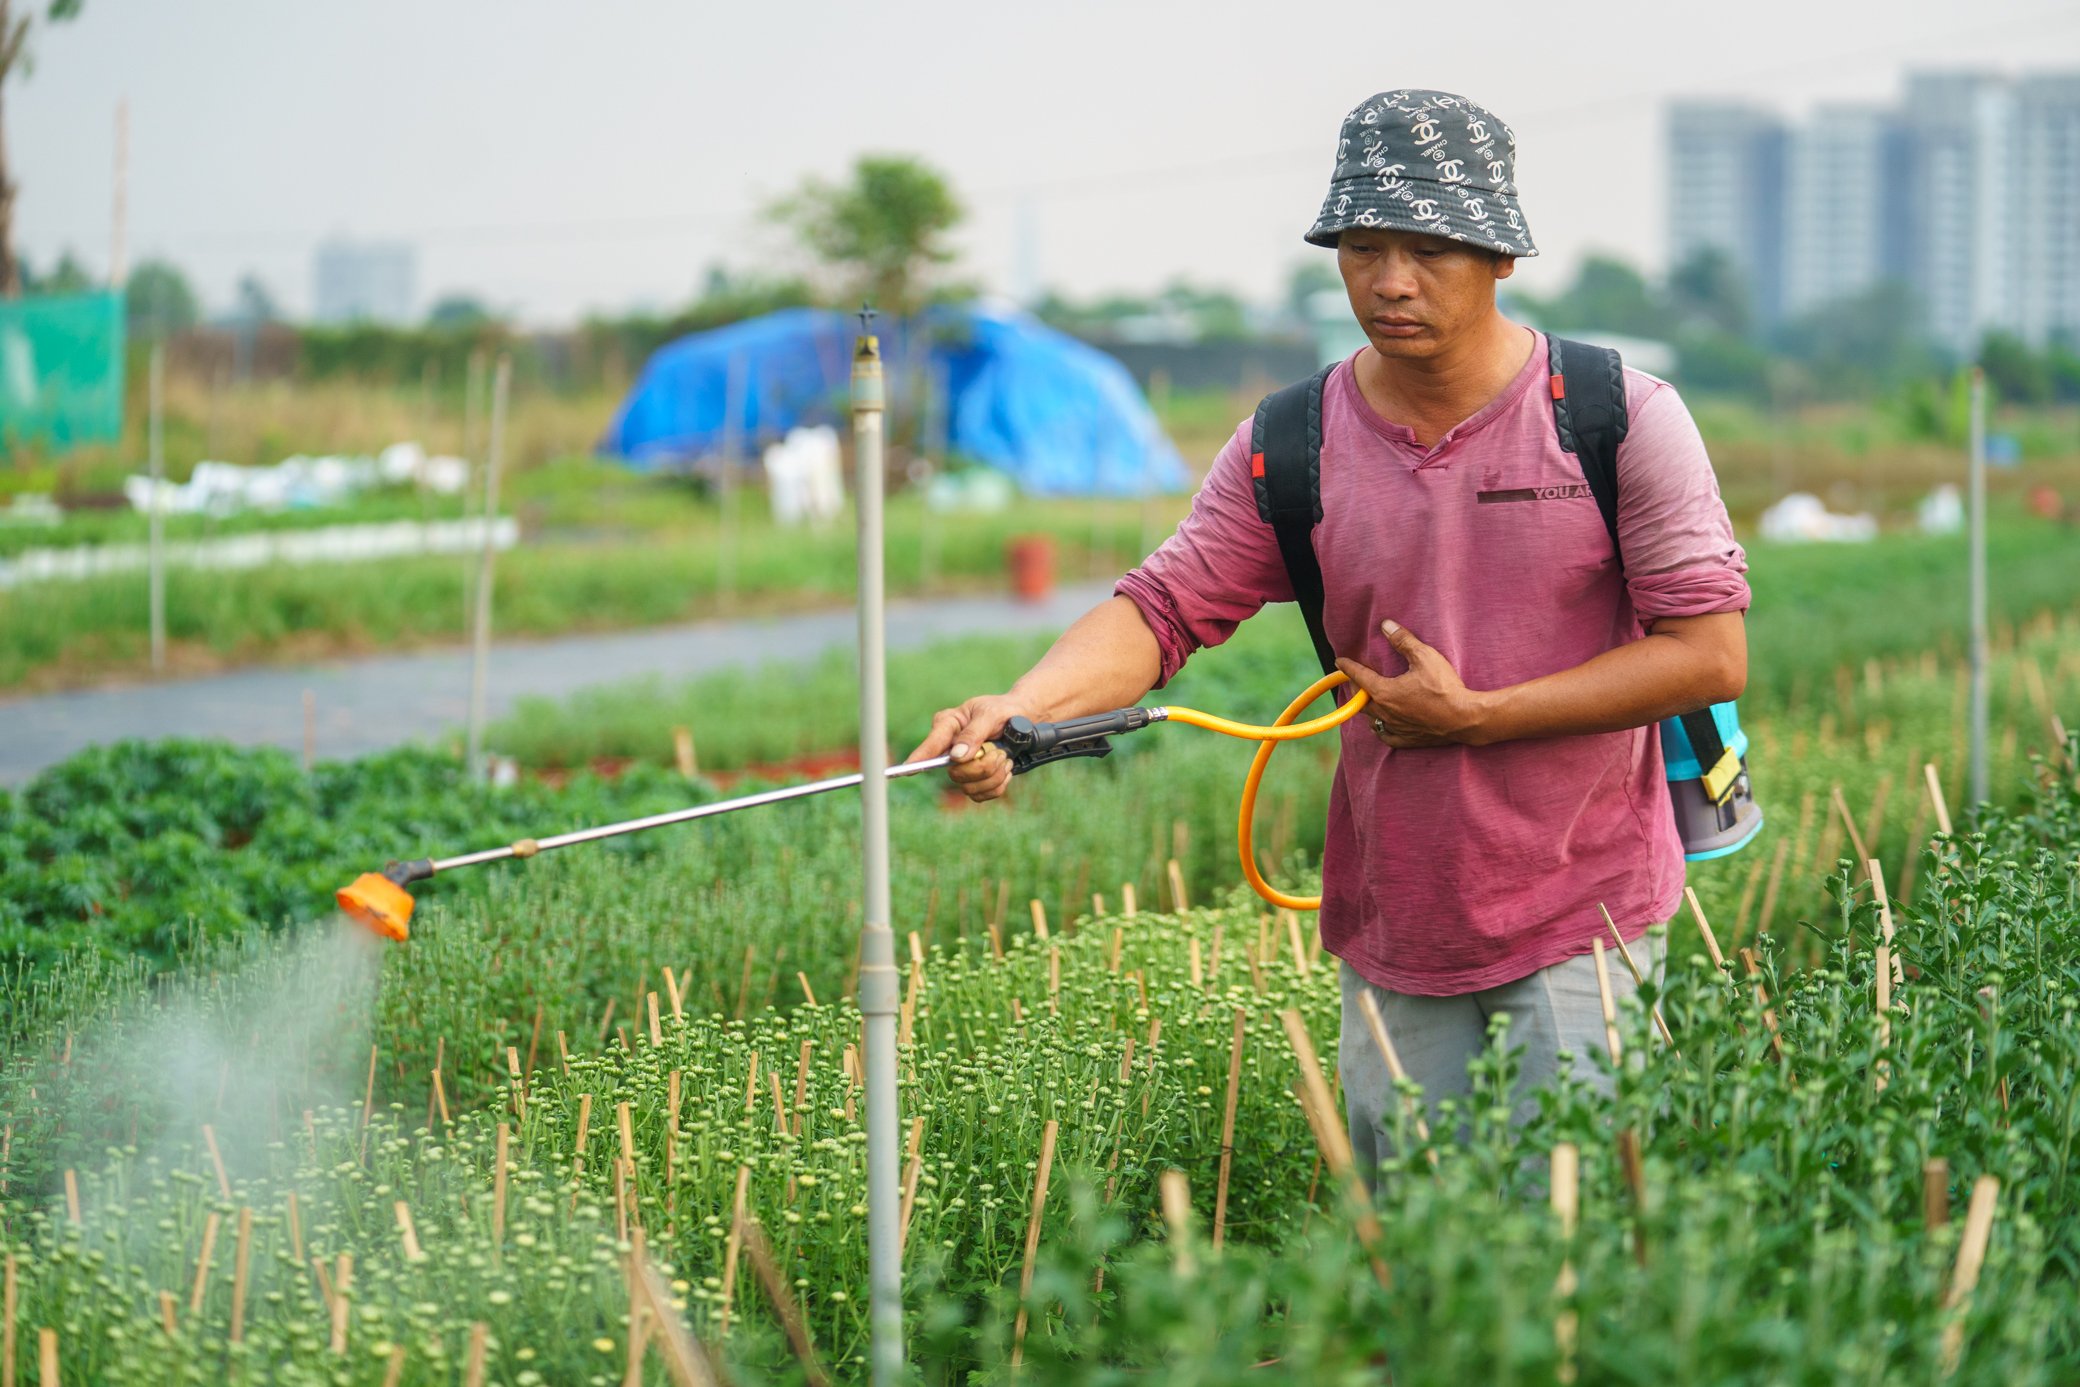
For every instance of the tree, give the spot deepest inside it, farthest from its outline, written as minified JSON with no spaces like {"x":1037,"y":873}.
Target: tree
{"x":882,"y":234}
{"x":254,"y":304}
{"x":160,"y":301}
{"x":459,"y":311}
{"x":68,"y":276}
{"x":14,"y":52}
{"x":1609,"y":296}
{"x":1708,"y":291}
{"x":1308,"y":278}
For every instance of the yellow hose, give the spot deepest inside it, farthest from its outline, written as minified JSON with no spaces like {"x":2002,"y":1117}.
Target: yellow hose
{"x":1268,"y":738}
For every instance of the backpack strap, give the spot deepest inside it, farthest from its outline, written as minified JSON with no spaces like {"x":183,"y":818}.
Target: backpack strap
{"x":1285,"y":467}
{"x":1589,"y":414}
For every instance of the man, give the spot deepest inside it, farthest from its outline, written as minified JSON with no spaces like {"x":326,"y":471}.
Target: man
{"x":1507,"y":779}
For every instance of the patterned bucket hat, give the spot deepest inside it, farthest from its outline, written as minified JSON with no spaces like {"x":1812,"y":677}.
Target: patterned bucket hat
{"x":1426,"y":161}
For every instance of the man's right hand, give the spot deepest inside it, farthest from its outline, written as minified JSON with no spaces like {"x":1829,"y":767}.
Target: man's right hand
{"x":980,"y":768}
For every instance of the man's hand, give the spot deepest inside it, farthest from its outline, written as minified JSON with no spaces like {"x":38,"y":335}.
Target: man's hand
{"x":980,"y":769}
{"x":1428,"y":706}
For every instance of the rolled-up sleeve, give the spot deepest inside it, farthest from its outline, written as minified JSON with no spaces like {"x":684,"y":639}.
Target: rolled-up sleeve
{"x":1219,"y":568}
{"x":1680,"y":555}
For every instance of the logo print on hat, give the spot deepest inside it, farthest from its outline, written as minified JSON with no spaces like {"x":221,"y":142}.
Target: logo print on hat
{"x":1401,"y":163}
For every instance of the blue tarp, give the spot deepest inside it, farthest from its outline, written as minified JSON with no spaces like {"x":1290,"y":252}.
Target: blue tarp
{"x":1060,"y":417}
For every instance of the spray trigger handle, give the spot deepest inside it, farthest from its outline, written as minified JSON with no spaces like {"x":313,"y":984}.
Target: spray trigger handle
{"x":1030,"y":744}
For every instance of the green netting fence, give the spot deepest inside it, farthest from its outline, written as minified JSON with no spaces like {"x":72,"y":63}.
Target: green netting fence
{"x":61,"y":370}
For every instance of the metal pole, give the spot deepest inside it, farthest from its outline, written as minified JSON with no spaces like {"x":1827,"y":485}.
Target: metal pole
{"x":1980,"y":692}
{"x":157,"y":449}
{"x":733,"y":392}
{"x":877,"y":974}
{"x":480,"y":653}
{"x":119,"y":210}
{"x":472,"y":402}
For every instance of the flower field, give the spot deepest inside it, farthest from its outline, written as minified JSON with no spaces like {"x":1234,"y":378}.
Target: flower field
{"x":612,"y":1092}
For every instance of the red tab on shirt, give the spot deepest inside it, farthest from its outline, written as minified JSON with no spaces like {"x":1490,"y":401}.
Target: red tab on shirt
{"x":1559,"y":387}
{"x":1256,"y":464}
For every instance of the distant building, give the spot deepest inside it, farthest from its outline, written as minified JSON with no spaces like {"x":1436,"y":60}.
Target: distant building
{"x":364,"y":281}
{"x":1725,"y":193}
{"x":2045,"y":194}
{"x":1844,"y":206}
{"x":1968,"y":192}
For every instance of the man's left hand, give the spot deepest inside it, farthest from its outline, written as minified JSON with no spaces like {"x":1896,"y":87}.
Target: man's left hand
{"x":1428,"y":706}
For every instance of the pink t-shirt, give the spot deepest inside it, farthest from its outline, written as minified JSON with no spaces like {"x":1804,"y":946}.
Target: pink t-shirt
{"x":1451,"y":869}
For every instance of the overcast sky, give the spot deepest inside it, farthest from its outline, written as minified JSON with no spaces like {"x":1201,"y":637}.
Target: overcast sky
{"x":557,"y":157}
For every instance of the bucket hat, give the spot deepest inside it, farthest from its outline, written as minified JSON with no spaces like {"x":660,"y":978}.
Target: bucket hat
{"x":1426,"y":161}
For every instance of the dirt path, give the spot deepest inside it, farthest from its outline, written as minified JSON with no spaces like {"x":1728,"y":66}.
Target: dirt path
{"x":367,"y":705}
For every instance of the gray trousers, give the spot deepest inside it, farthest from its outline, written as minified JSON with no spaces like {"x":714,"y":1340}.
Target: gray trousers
{"x":1557,"y":1008}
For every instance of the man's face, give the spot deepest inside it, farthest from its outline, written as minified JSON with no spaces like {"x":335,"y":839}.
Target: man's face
{"x":1416,"y":294}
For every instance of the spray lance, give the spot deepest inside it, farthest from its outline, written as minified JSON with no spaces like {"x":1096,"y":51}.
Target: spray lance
{"x":382,"y":902}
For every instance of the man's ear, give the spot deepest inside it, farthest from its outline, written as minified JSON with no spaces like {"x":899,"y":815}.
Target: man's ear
{"x":1505,"y":266}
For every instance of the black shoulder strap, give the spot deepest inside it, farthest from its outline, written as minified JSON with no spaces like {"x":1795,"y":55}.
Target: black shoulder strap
{"x":1588,"y":387}
{"x":1285,"y":464}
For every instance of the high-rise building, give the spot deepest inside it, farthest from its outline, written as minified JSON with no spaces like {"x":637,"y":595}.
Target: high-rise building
{"x":363,"y":281}
{"x":1844,"y":206}
{"x":1967,"y":193}
{"x":2044,"y":192}
{"x":1957,"y":231}
{"x":1725,"y":193}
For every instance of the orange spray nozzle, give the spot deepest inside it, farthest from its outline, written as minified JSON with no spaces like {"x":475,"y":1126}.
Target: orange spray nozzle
{"x":379,"y":900}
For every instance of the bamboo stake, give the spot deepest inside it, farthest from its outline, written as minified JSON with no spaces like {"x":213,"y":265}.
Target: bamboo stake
{"x":751,"y":1083}
{"x":1220,"y":1194}
{"x":209,"y":1247}
{"x":913,"y":1167}
{"x":1935,"y":1192}
{"x":1935,"y":795}
{"x":656,"y":1030}
{"x":671,"y":987}
{"x":72,"y":1196}
{"x":1039,"y":920}
{"x":394,"y":1374}
{"x":47,"y":1357}
{"x":410,"y":1235}
{"x":1971,"y":1256}
{"x":734,"y":1246}
{"x":807,"y":991}
{"x":1177,"y":1216}
{"x":498,"y":1190}
{"x":801,"y":1085}
{"x":684,"y":1358}
{"x":10,"y":1295}
{"x":342,"y":1285}
{"x":1769,"y":1016}
{"x":1566,"y":1170}
{"x":1025,"y":1276}
{"x":1610,"y":1006}
{"x":1126,"y":899}
{"x":241,"y":1265}
{"x":295,"y":1228}
{"x":519,"y":1083}
{"x":1639,"y":979}
{"x":166,"y":1322}
{"x":1377,"y":1024}
{"x":440,"y":1094}
{"x":1198,"y":964}
{"x":473,"y":1369}
{"x":783,"y":1301}
{"x":1213,"y":956}
{"x":216,"y":1158}
{"x":1848,"y":820}
{"x":1300,"y":962}
{"x":1333,"y":1141}
{"x":1054,"y":979}
{"x":1888,"y":960}
{"x":1778,"y":860}
{"x":1178,"y":902}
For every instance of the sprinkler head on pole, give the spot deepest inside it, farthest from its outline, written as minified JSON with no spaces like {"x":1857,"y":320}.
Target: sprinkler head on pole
{"x":379,"y":901}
